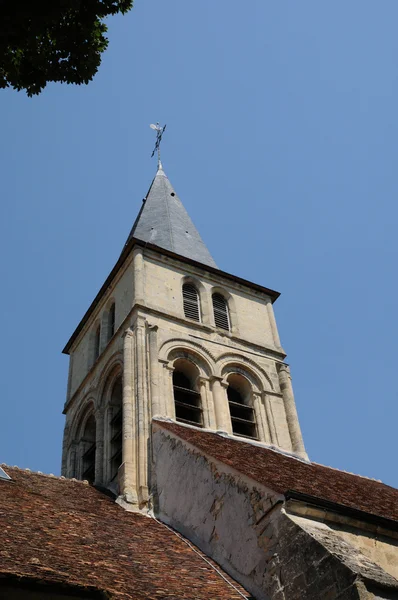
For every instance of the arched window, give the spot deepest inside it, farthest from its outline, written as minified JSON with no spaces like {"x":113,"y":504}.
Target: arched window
{"x":97,"y":342}
{"x":88,"y":443}
{"x":190,"y":298}
{"x":240,"y":408}
{"x":221,"y":313}
{"x":111,"y":321}
{"x":116,"y":429}
{"x":186,"y":397}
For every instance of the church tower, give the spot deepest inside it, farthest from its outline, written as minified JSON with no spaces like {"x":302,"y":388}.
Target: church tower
{"x":170,"y":335}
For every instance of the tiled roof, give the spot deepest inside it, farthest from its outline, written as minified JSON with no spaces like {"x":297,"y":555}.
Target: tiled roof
{"x":67,"y":532}
{"x":164,"y":222}
{"x":283,"y":473}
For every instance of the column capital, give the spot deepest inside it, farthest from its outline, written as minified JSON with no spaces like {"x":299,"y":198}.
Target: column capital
{"x":128,"y":333}
{"x":221,"y":380}
{"x":99,"y":412}
{"x":283,"y":368}
{"x":151,"y":327}
{"x":167,"y":364}
{"x":203,"y":380}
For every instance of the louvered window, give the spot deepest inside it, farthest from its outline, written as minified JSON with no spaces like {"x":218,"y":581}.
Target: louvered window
{"x":186,"y":400}
{"x":190,"y":298}
{"x":116,"y":429}
{"x":220,"y":308}
{"x":89,"y":450}
{"x":242,"y":416}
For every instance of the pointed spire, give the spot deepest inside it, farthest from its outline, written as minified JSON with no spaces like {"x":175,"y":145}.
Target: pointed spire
{"x":164,"y":222}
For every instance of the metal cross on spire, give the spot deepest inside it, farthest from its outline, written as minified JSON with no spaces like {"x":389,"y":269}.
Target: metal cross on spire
{"x":159,"y":132}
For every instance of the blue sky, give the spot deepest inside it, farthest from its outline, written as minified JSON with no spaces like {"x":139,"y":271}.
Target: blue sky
{"x":282,"y":143}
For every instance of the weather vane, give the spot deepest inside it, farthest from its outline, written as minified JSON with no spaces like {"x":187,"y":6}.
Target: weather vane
{"x":159,"y":132}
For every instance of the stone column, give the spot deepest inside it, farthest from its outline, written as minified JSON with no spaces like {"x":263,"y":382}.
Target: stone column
{"x":209,"y":419}
{"x":168,"y":392}
{"x":285,"y":383}
{"x":128,"y":468}
{"x":258,"y":411}
{"x":142,"y":412}
{"x":154,"y":374}
{"x":272,"y":322}
{"x":99,"y":446}
{"x":270,"y":419}
{"x":220,"y":402}
{"x":138,"y":284}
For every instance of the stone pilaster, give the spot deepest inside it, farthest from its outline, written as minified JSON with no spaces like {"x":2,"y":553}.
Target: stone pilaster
{"x":99,"y":445}
{"x":142,"y":422}
{"x":285,"y":383}
{"x":153,"y":368}
{"x":128,"y":468}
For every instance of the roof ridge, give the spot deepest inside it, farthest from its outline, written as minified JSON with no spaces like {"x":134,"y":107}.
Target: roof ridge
{"x":350,"y":473}
{"x":163,"y":183}
{"x":50,"y":475}
{"x":236,"y":438}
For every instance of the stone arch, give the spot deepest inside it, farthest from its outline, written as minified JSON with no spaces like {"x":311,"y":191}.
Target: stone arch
{"x":203,"y":296}
{"x":233,"y":315}
{"x":79,"y":442}
{"x":87,"y":406}
{"x":182,"y":348}
{"x":259,"y":375}
{"x":112,"y":369}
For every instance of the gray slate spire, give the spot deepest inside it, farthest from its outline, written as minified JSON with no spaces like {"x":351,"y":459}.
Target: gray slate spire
{"x":163,"y":221}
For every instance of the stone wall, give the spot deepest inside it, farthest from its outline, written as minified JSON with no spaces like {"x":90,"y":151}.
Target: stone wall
{"x":246,"y":529}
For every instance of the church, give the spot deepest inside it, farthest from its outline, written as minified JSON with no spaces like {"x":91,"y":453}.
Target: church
{"x":184,"y":471}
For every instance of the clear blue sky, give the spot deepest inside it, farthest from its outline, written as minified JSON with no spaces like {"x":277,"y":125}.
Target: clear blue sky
{"x":282,"y":143}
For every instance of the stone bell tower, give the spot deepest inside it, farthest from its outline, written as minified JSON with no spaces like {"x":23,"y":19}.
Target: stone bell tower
{"x":172,"y":336}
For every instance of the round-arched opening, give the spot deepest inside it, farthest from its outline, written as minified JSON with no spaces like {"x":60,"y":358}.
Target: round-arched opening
{"x":186,"y":396}
{"x":116,"y":428}
{"x":239,"y":393}
{"x":89,"y":448}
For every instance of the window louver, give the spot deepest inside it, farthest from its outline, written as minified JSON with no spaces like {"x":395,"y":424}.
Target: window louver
{"x":220,"y":307}
{"x":191,"y":302}
{"x":242,"y":416}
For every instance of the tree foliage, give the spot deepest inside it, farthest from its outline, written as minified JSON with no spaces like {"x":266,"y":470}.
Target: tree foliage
{"x":53,"y":40}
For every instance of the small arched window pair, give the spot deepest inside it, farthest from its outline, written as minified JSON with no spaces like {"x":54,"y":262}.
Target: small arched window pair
{"x":191,"y":302}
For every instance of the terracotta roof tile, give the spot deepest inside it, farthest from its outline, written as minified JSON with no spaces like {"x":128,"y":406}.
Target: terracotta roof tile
{"x":67,"y":532}
{"x":283,"y":473}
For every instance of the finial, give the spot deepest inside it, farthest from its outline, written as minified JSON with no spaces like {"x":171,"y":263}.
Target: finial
{"x":159,"y":132}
